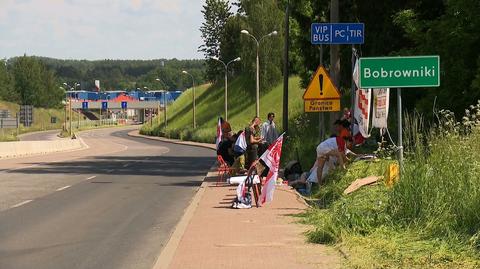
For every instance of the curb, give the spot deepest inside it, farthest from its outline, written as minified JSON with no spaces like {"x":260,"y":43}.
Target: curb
{"x":36,"y":132}
{"x":136,"y":133}
{"x":168,"y":252}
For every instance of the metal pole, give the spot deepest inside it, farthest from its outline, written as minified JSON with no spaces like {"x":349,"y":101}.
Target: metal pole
{"x":194,"y":117}
{"x":352,"y":106}
{"x":258,"y":83}
{"x":285,"y":68}
{"x":71,"y":131}
{"x":334,"y":56}
{"x":400,"y":130}
{"x":226,"y":93}
{"x":321,"y":116}
{"x":165,"y":109}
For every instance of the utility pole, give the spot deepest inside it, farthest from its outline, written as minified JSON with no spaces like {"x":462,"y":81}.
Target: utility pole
{"x":285,"y":68}
{"x":334,"y":55}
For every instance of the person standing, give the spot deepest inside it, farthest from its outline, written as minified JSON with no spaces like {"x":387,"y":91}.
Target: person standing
{"x":269,"y":130}
{"x":254,"y":139}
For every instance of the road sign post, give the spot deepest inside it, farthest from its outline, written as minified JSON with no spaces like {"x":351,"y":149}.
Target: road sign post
{"x":400,"y":72}
{"x":321,"y":94}
{"x":337,"y":33}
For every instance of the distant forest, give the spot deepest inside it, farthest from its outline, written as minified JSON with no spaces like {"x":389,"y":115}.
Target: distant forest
{"x":128,"y":74}
{"x":37,"y":80}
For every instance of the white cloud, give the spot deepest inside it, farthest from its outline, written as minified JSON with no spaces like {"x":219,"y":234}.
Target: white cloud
{"x":99,"y":29}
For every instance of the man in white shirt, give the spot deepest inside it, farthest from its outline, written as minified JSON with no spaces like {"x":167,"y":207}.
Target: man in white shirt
{"x":269,"y":131}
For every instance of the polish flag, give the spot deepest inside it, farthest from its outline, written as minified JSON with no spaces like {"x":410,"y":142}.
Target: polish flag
{"x":219,"y":133}
{"x":271,"y":158}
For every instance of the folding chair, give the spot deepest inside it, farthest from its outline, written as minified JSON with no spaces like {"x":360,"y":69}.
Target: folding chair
{"x":223,"y":169}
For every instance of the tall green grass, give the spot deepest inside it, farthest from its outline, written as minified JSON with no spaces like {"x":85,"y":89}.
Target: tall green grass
{"x":429,"y":219}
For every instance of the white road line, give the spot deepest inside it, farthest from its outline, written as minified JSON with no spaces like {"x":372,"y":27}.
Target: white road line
{"x":125,"y":165}
{"x":92,"y":177}
{"x":22,"y":203}
{"x":63,"y":188}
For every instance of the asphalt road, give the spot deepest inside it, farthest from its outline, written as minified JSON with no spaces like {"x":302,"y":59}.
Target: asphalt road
{"x":113,"y":205}
{"x":40,"y":136}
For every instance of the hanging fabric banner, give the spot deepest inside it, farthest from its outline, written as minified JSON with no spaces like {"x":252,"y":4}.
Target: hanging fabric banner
{"x":381,"y":103}
{"x":362,"y":110}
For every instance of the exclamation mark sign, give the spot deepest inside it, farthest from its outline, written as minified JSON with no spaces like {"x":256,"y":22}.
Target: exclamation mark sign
{"x":321,"y":83}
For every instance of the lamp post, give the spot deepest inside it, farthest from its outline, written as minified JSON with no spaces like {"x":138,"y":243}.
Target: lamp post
{"x":258,"y":41}
{"x":72,"y":88}
{"x":164,"y":105}
{"x":193,"y":86}
{"x":226,"y":80}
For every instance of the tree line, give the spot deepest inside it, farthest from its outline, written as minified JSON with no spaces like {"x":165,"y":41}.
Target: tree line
{"x":37,"y":80}
{"x":448,"y":28}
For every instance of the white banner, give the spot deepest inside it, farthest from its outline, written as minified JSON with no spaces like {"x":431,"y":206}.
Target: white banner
{"x":97,"y":85}
{"x":362,"y":110}
{"x":381,"y":103}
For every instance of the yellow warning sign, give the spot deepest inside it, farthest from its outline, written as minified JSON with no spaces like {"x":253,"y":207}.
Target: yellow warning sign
{"x":322,"y":105}
{"x":321,"y":87}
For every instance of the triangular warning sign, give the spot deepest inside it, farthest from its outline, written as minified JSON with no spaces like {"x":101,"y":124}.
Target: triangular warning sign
{"x":321,"y":87}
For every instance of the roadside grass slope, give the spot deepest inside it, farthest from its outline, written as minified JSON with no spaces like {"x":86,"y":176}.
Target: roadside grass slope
{"x":429,"y":219}
{"x":210,"y":105}
{"x":41,"y":120}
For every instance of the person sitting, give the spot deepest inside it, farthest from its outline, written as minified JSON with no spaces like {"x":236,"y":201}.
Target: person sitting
{"x":239,"y":149}
{"x":225,"y":148}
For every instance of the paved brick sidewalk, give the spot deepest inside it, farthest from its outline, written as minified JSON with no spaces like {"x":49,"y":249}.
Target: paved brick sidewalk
{"x":266,"y":237}
{"x":211,"y":235}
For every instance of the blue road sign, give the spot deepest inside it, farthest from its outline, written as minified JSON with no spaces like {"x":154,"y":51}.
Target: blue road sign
{"x":337,"y":33}
{"x":124,"y":105}
{"x":104,"y":105}
{"x":84,"y":105}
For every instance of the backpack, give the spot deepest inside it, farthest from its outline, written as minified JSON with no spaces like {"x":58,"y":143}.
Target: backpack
{"x":292,"y":168}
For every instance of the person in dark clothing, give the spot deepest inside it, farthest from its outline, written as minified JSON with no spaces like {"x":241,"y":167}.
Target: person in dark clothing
{"x":225,"y":149}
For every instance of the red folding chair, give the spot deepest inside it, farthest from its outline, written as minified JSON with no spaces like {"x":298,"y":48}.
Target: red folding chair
{"x":223,"y":169}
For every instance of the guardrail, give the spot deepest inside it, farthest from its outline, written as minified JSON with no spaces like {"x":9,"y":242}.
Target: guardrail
{"x":94,"y":123}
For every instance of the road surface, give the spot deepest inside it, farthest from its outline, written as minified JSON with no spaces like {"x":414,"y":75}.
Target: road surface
{"x":113,"y":205}
{"x":40,"y":136}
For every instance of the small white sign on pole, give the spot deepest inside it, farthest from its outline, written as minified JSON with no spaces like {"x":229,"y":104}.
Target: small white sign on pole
{"x":381,"y":103}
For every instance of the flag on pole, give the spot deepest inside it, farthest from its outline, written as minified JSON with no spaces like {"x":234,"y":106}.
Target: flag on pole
{"x":219,"y":133}
{"x":271,"y":158}
{"x":362,"y":103}
{"x":97,"y":85}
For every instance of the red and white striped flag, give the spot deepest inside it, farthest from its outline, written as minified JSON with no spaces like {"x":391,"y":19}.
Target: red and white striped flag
{"x":219,"y":133}
{"x":271,"y":158}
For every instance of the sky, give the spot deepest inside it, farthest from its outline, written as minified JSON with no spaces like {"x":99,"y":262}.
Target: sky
{"x":101,"y":29}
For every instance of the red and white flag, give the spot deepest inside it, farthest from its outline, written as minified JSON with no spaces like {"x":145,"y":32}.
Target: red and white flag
{"x":219,"y":133}
{"x":271,"y":158}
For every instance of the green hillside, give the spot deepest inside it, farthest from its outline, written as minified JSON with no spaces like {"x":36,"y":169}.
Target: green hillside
{"x":41,"y":120}
{"x":210,"y":105}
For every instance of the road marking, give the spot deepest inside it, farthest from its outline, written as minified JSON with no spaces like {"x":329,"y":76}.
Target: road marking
{"x":92,"y":177}
{"x":125,"y":165}
{"x":22,"y":203}
{"x":63,"y":188}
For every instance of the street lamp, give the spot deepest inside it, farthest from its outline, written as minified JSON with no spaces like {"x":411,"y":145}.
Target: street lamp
{"x":193,"y":86}
{"x":258,"y":41}
{"x":226,"y":81}
{"x":72,"y":88}
{"x":164,"y":104}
